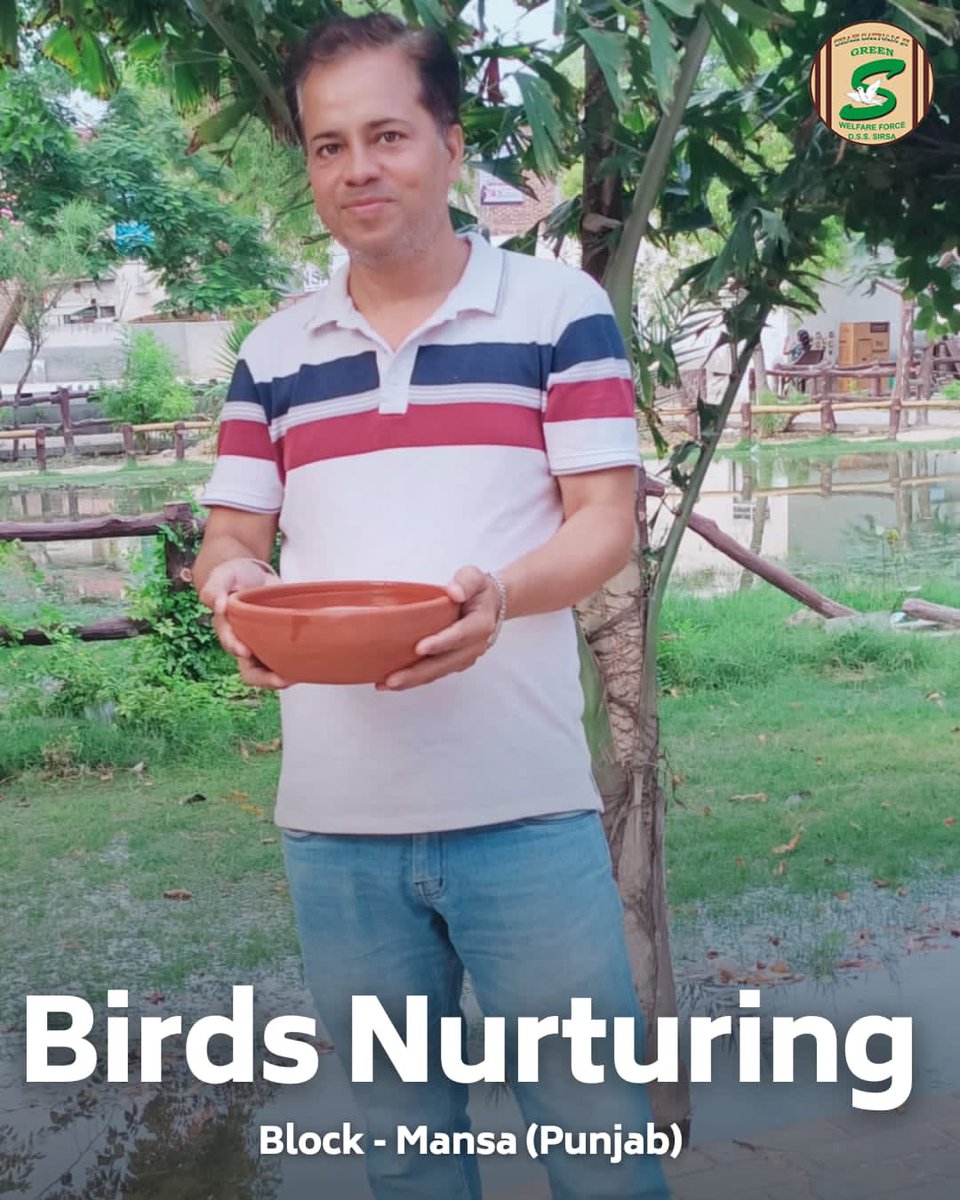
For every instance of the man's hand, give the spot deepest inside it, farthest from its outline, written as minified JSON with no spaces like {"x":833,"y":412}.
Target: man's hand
{"x":234,"y":575}
{"x":459,"y":645}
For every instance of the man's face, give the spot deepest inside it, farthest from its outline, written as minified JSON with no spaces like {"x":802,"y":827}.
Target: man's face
{"x":379,"y":166}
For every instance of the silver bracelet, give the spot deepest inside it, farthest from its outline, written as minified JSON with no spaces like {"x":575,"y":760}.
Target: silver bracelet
{"x":260,"y":563}
{"x":502,"y":610}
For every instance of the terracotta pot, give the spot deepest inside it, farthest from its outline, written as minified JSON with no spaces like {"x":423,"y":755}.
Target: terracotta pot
{"x":338,"y":632}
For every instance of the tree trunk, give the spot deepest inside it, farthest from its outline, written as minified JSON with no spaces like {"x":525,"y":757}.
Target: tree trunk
{"x":602,"y":200}
{"x":10,"y":306}
{"x":760,"y":369}
{"x":614,"y":621}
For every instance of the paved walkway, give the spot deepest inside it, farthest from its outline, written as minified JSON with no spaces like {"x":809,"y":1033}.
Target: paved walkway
{"x":910,"y":1155}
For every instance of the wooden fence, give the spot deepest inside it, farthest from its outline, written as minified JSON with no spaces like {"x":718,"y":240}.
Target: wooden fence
{"x":179,"y":517}
{"x":69,"y":429}
{"x":819,"y":390}
{"x":38,"y":436}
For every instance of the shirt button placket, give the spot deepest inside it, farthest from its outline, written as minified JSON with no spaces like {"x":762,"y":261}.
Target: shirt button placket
{"x":395,"y":380}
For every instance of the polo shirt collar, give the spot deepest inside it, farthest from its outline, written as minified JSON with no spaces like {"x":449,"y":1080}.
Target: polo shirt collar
{"x":477,"y":290}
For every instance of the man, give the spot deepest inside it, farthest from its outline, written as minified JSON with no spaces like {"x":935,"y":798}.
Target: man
{"x":441,"y":411}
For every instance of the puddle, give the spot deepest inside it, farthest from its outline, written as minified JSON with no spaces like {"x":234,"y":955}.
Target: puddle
{"x":894,"y":516}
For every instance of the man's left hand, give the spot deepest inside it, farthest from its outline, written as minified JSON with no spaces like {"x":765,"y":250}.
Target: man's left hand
{"x":459,"y":645}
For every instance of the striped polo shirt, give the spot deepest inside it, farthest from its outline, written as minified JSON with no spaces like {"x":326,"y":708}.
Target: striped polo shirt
{"x":407,"y":464}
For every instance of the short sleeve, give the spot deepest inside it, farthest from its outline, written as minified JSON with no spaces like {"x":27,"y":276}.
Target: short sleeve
{"x":589,"y":419}
{"x":247,"y":471}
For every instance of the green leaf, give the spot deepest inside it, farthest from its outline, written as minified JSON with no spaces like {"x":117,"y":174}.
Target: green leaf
{"x":430,"y":13}
{"x":940,"y":22}
{"x":774,"y":227}
{"x":734,"y":43}
{"x":683,"y":8}
{"x":609,"y":49}
{"x":560,"y":16}
{"x":216,"y":128}
{"x":545,"y":129}
{"x":663,"y":56}
{"x":760,"y":16}
{"x":8,"y":32}
{"x":83,"y":55}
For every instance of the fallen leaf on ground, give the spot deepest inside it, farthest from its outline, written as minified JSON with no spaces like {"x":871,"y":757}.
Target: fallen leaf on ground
{"x":780,"y":868}
{"x":843,"y":895}
{"x":883,"y":883}
{"x":713,"y":953}
{"x":884,"y":803}
{"x":196,"y":798}
{"x":106,"y":777}
{"x":155,"y":998}
{"x":270,"y":747}
{"x":138,"y":769}
{"x":759,"y":797}
{"x":948,"y":821}
{"x":773,"y":939}
{"x":238,"y":795}
{"x":935,"y":698}
{"x":740,"y":862}
{"x":707,"y":810}
{"x":779,"y":968}
{"x":789,"y":847}
{"x":763,"y":738}
{"x":901,"y":891}
{"x":177,"y":894}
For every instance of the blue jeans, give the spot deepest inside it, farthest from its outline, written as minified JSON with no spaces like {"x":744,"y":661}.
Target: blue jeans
{"x":530,"y":910}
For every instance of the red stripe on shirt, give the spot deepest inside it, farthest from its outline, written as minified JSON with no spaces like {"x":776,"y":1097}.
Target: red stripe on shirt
{"x":421,"y":425}
{"x":245,"y":439}
{"x":591,"y":398}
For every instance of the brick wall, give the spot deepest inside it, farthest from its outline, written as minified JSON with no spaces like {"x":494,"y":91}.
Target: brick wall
{"x":508,"y":220}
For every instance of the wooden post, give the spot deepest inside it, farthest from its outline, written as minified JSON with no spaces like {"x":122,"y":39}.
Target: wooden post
{"x":41,"y":444}
{"x":925,"y":385}
{"x":746,"y":421}
{"x":63,"y":396}
{"x":128,"y":447}
{"x":178,"y":441}
{"x":179,"y":516}
{"x":826,"y":478}
{"x":828,"y":423}
{"x":901,"y":383}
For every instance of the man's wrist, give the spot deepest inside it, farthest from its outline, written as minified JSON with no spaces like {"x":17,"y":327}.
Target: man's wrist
{"x":501,"y":587}
{"x":259,"y":562}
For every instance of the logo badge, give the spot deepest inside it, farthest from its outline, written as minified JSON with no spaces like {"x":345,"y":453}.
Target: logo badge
{"x":871,"y":82}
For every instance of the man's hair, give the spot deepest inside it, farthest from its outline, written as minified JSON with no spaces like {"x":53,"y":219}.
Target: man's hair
{"x":427,"y":49}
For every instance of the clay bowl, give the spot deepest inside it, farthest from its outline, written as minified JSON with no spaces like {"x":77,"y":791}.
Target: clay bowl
{"x":338,"y":632}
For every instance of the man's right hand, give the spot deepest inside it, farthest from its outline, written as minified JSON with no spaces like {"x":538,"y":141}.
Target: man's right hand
{"x":235,"y":575}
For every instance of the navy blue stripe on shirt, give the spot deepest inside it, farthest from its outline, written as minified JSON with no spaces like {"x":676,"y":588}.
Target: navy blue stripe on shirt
{"x":587,"y":340}
{"x":522,"y":364}
{"x":324,"y":381}
{"x":244,"y":389}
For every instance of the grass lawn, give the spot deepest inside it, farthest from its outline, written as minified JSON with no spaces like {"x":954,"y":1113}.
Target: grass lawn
{"x":840,"y":747}
{"x":852,"y":736}
{"x":87,"y":860}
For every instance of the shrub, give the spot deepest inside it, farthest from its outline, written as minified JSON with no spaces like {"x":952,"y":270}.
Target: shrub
{"x":149,"y":390}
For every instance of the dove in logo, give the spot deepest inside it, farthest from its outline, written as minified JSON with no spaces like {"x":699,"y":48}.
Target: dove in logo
{"x":866,"y":95}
